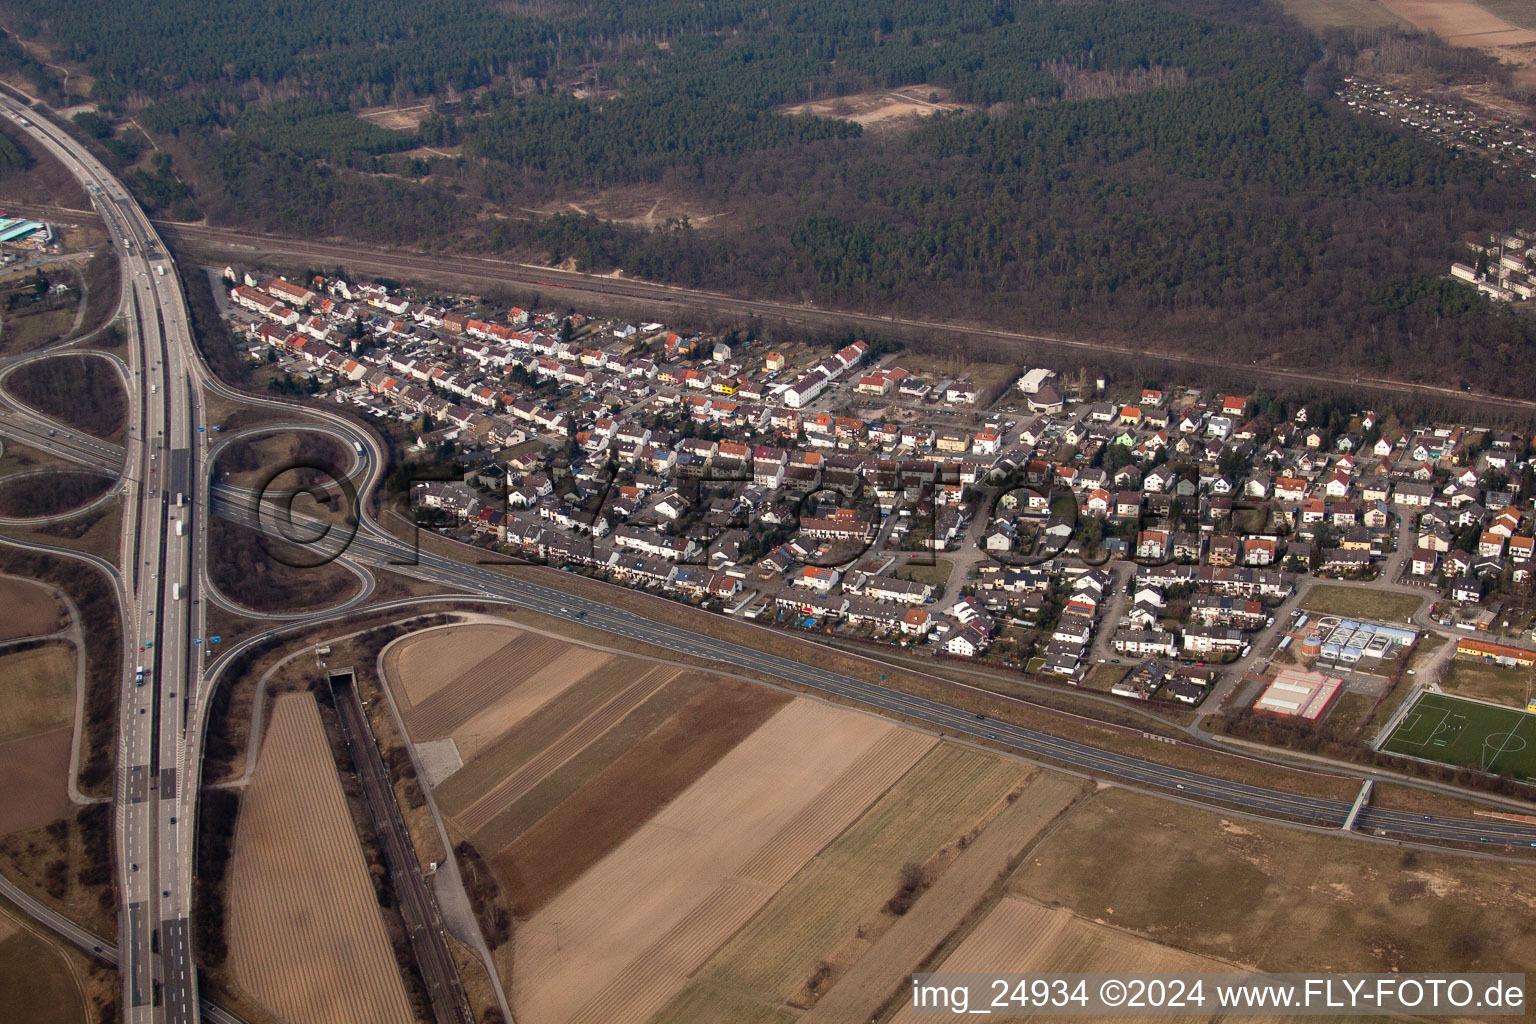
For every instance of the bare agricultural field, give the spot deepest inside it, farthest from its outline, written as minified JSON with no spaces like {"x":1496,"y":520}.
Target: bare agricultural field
{"x":37,"y":689}
{"x":531,"y":692}
{"x":504,"y":685}
{"x":420,"y":666}
{"x":1460,"y":22}
{"x":956,"y":893}
{"x":1277,"y":898}
{"x":608,"y":807}
{"x":34,"y":774}
{"x":622,"y":940}
{"x":516,"y":784}
{"x":30,"y":609}
{"x":527,"y":739}
{"x":305,"y":936}
{"x":1020,"y":936}
{"x":1520,"y":13}
{"x":36,"y":983}
{"x":821,"y":915}
{"x":1319,"y":15}
{"x":652,"y":722}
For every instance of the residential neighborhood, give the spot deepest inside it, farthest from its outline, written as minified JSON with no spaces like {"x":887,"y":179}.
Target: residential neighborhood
{"x":1027,"y":517}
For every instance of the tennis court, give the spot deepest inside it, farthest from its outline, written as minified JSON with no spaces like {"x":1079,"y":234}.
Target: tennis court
{"x":1467,"y":733}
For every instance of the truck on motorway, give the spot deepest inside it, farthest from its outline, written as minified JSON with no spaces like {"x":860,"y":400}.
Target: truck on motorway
{"x":176,"y":592}
{"x":160,"y":270}
{"x":181,"y":528}
{"x":357,"y":446}
{"x":181,"y":499}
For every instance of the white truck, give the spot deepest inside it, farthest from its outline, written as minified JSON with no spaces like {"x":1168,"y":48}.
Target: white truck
{"x":176,"y":591}
{"x":160,"y":269}
{"x":181,"y":528}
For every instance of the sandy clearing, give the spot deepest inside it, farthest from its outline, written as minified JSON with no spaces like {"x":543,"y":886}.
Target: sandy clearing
{"x":516,"y":784}
{"x":1460,"y":22}
{"x":422,"y":665}
{"x":305,"y":936}
{"x":884,"y":968}
{"x":29,"y":609}
{"x":872,"y":109}
{"x":34,"y":775}
{"x":632,"y":928}
{"x":1020,"y":936}
{"x":486,"y":725}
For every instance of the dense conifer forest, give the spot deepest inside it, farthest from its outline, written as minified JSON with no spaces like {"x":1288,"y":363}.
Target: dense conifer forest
{"x":1211,"y":197}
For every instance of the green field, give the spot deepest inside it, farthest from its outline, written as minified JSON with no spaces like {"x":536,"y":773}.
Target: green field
{"x":1465,"y":733}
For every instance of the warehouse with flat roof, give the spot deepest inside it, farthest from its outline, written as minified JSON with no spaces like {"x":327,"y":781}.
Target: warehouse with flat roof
{"x":1297,"y":694}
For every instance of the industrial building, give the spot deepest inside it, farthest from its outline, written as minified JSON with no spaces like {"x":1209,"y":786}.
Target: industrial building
{"x":1297,"y":694}
{"x":1346,"y":642}
{"x":25,"y":234}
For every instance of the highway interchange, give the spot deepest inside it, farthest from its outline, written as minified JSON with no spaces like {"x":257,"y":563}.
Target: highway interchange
{"x":164,"y":592}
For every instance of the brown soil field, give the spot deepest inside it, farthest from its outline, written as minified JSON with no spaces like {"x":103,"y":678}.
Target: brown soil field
{"x":30,"y":610}
{"x":528,"y":738}
{"x":1280,"y":899}
{"x":562,"y":783}
{"x":36,"y":983}
{"x":420,"y":666}
{"x":829,"y":912}
{"x":515,"y":785}
{"x":37,"y":691}
{"x":617,"y":944}
{"x":483,"y":724}
{"x":513,"y":671}
{"x":596,"y":818}
{"x":34,"y":775}
{"x":1460,"y":22}
{"x":939,"y":911}
{"x":1325,"y":14}
{"x":1020,"y":936}
{"x":305,"y":936}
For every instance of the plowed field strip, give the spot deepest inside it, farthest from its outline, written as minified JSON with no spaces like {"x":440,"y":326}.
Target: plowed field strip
{"x":472,"y":691}
{"x":512,"y":788}
{"x":423,"y":664}
{"x":524,"y":740}
{"x":622,"y":784}
{"x":660,"y":971}
{"x":647,"y":983}
{"x":883,"y":969}
{"x":306,"y":939}
{"x":822,"y":821}
{"x":482,"y":725}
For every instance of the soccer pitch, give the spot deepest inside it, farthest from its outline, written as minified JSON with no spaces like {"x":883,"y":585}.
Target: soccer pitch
{"x":1462,"y":732}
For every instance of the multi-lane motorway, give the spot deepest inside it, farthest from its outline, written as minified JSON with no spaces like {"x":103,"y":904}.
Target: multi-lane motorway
{"x":162,"y":587}
{"x":160,"y":591}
